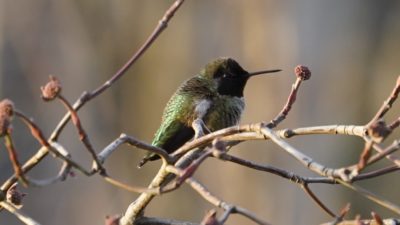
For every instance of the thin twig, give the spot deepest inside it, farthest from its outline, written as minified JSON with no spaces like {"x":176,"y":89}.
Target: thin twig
{"x":61,"y":176}
{"x":291,"y":99}
{"x":136,"y":207}
{"x":82,"y":134}
{"x":123,"y":138}
{"x":20,"y":215}
{"x":189,"y":170}
{"x":14,"y":159}
{"x":266,"y":168}
{"x":365,"y":155}
{"x":387,"y":152}
{"x":372,"y":196}
{"x":383,"y":152}
{"x":301,"y":157}
{"x":54,"y":147}
{"x":387,"y":104}
{"x":317,"y":200}
{"x":395,"y":124}
{"x":161,"y":221}
{"x":365,"y":222}
{"x":134,"y":189}
{"x":214,"y":200}
{"x":58,"y":150}
{"x":341,"y":215}
{"x":250,"y":132}
{"x":376,"y":173}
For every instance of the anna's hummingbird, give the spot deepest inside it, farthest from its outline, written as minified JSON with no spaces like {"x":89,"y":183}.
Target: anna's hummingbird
{"x":214,"y":97}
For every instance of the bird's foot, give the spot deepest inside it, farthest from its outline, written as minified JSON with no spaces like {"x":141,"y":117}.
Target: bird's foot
{"x":200,"y":128}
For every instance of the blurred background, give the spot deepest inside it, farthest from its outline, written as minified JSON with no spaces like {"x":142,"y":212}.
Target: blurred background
{"x":351,"y":47}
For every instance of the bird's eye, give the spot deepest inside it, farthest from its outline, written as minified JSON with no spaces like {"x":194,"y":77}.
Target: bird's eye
{"x":224,"y":75}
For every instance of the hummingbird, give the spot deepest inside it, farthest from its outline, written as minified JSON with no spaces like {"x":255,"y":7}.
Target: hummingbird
{"x":210,"y":101}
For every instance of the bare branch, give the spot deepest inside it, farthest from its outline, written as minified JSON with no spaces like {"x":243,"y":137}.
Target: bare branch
{"x":123,"y":138}
{"x":387,"y":104}
{"x":301,"y":157}
{"x":161,"y":221}
{"x":317,"y":200}
{"x":207,"y":195}
{"x":365,"y":222}
{"x":374,"y":197}
{"x":82,"y":134}
{"x":20,"y":215}
{"x":14,"y":159}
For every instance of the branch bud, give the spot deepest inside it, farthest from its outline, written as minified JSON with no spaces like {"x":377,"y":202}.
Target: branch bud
{"x":112,"y":220}
{"x":378,"y":131}
{"x":302,"y":72}
{"x":6,"y":108}
{"x":14,"y":196}
{"x":52,"y":89}
{"x":6,"y":113}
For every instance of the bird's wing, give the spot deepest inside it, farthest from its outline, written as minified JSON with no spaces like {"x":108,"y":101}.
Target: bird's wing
{"x":173,"y":131}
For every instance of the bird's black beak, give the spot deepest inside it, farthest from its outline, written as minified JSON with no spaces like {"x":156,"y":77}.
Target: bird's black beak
{"x":262,"y":72}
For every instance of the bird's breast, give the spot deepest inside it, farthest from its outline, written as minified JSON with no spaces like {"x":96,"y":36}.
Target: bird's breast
{"x":224,"y":111}
{"x":202,"y":107}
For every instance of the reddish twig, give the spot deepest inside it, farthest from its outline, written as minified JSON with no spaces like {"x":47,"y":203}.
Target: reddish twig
{"x":394,"y":124}
{"x":51,"y":91}
{"x":217,"y":149}
{"x":38,"y":134}
{"x":343,"y":212}
{"x":82,"y":134}
{"x":189,"y":170}
{"x":6,"y":115}
{"x":302,"y":73}
{"x":365,"y":155}
{"x":112,"y":220}
{"x":383,"y":152}
{"x":35,"y":130}
{"x":210,"y":218}
{"x":14,"y":159}
{"x":341,"y":215}
{"x":377,"y":218}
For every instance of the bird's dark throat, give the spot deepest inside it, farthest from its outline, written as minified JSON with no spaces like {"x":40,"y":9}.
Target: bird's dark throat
{"x":233,"y":86}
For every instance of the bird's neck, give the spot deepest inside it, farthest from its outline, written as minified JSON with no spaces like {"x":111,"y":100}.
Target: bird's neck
{"x":232,"y":87}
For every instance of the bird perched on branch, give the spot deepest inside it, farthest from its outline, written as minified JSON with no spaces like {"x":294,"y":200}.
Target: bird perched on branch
{"x":207,"y":102}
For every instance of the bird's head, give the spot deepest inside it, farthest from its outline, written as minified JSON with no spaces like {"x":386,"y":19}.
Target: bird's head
{"x":230,"y":78}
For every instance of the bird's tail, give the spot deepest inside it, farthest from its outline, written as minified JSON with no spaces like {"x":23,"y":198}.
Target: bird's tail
{"x":149,"y":157}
